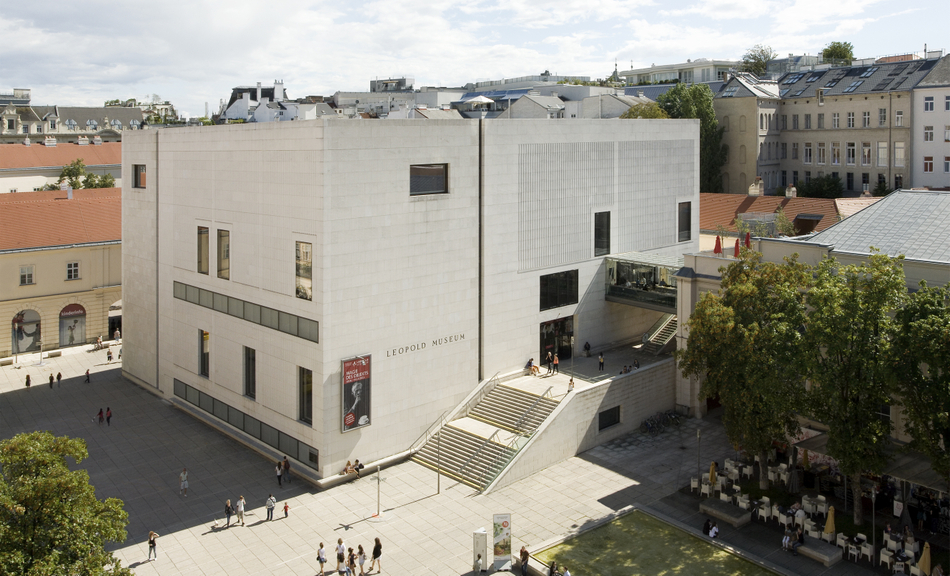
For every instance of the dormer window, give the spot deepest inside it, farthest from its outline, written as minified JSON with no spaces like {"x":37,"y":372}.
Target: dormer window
{"x":92,"y":125}
{"x":52,"y":124}
{"x":71,"y":124}
{"x":820,"y":95}
{"x":116,"y":123}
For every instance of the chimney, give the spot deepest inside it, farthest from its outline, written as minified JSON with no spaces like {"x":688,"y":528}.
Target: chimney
{"x":278,"y":91}
{"x":50,"y":141}
{"x":97,"y":140}
{"x":26,"y":141}
{"x":756,"y":188}
{"x":258,"y":92}
{"x":639,"y":93}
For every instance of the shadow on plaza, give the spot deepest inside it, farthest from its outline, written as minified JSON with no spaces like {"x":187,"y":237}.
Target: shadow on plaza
{"x":139,"y":457}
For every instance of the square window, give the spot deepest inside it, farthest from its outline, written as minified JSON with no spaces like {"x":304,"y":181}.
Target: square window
{"x":928,"y":104}
{"x":608,"y":418}
{"x":928,"y":133}
{"x":72,"y":270}
{"x":558,"y":289}
{"x":138,"y":174}
{"x":428,"y":179}
{"x":601,"y":233}
{"x":26,"y":275}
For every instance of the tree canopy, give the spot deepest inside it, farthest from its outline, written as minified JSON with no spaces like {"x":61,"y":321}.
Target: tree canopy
{"x":651,"y":110}
{"x":838,"y":53}
{"x":756,"y":58}
{"x":52,"y":522}
{"x":696,"y":101}
{"x":828,"y":186}
{"x":76,"y":176}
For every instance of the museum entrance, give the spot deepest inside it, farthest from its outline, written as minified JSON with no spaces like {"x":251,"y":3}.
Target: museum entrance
{"x":556,"y":338}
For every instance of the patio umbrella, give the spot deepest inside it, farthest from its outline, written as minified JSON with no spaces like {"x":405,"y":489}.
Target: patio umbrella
{"x":830,"y":522}
{"x":748,"y":240}
{"x":924,"y":562}
{"x":718,"y":248}
{"x":794,"y":486}
{"x":712,"y":473}
{"x":736,"y":254}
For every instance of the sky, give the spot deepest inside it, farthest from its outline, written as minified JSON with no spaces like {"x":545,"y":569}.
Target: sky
{"x":84,"y":52}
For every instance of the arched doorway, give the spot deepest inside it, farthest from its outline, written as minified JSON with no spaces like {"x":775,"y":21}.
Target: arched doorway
{"x":26,"y":332}
{"x":72,"y":325}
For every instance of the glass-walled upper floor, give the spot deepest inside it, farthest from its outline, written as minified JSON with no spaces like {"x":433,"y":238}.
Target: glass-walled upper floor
{"x":641,"y":279}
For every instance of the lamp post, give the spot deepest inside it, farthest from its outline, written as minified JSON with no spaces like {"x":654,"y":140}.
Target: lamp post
{"x":16,"y":341}
{"x":699,"y":444}
{"x":873,"y":520}
{"x":572,"y":357}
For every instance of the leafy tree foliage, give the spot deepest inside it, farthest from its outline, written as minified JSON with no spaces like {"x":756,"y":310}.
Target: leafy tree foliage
{"x":783,"y":225}
{"x":821,"y":187}
{"x":651,"y":110}
{"x":696,"y":101}
{"x":838,"y":52}
{"x":848,"y":340}
{"x":745,"y":343}
{"x":921,"y":353}
{"x":756,"y":58}
{"x":882,"y":189}
{"x":52,"y":522}
{"x":76,"y":176}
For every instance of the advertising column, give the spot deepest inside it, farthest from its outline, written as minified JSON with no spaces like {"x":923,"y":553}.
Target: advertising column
{"x":356,"y":392}
{"x":502,"y":541}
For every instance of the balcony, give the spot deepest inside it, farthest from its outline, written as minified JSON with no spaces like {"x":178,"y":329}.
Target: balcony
{"x":643,"y":280}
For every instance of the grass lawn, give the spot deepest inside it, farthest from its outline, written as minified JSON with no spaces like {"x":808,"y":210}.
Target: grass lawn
{"x":638,"y":543}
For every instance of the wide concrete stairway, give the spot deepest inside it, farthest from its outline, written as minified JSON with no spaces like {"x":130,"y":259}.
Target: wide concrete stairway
{"x":661,"y":336}
{"x":475,"y":448}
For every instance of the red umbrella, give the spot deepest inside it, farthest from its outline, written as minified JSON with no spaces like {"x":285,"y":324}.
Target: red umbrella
{"x":718,"y":248}
{"x":737,"y":248}
{"x":748,"y":240}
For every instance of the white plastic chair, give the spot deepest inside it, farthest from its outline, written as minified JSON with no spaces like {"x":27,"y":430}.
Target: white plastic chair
{"x":915,"y":571}
{"x":813,"y":533}
{"x":776,"y":513}
{"x":694,"y":484}
{"x":886,"y":558}
{"x":853,"y":552}
{"x":706,"y":490}
{"x":828,"y":537}
{"x":725,"y":497}
{"x":891,"y":544}
{"x":765,"y":511}
{"x":842,"y":541}
{"x":868,"y":550}
{"x":899,"y":567}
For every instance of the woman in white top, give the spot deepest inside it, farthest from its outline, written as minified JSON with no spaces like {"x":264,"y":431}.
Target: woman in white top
{"x":361,"y":557}
{"x":321,"y":558}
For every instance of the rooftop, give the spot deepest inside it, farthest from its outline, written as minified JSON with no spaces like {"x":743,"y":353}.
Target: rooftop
{"x":47,"y":219}
{"x":723,"y":209}
{"x":18,"y":156}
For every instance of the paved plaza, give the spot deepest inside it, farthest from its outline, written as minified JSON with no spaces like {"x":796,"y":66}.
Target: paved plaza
{"x":138,"y":459}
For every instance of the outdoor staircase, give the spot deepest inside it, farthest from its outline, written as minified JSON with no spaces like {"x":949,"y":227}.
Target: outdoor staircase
{"x":473,"y":459}
{"x":661,"y":336}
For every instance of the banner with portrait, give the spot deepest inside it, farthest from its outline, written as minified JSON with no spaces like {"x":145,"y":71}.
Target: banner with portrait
{"x":72,"y":325}
{"x":356,"y":392}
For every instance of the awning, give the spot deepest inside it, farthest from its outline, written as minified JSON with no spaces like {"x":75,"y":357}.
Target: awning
{"x":906,"y":465}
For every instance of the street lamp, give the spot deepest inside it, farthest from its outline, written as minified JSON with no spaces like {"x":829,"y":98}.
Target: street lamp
{"x":572,"y":357}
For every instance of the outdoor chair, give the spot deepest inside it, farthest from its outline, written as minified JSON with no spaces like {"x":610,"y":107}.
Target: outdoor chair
{"x":862,"y":537}
{"x":747,"y":471}
{"x":725,"y":497}
{"x":813,"y":533}
{"x":765,"y":510}
{"x":734,"y":474}
{"x":915,"y":571}
{"x":776,"y":513}
{"x":915,"y":547}
{"x":694,"y":484}
{"x":842,"y":541}
{"x":853,"y":552}
{"x":899,"y":567}
{"x":868,"y":550}
{"x":743,"y":502}
{"x":828,"y":537}
{"x":773,"y":474}
{"x":800,"y":521}
{"x":892,"y":544}
{"x":886,"y":558}
{"x":785,"y":519}
{"x":706,"y":490}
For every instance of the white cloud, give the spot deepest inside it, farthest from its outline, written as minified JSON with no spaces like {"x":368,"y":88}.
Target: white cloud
{"x":725,"y":9}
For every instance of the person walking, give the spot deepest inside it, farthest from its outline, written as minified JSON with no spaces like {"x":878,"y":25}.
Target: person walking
{"x":271,"y":502}
{"x":51,"y":379}
{"x":286,"y":509}
{"x":108,"y":416}
{"x":524,"y":561}
{"x":600,"y":362}
{"x":377,"y":554}
{"x":183,"y":482}
{"x":117,"y":335}
{"x":280,"y":473}
{"x":152,"y":549}
{"x":340,"y":556}
{"x":548,"y":361}
{"x":27,"y":380}
{"x":570,"y":385}
{"x":109,"y":355}
{"x":101,"y":417}
{"x":351,"y":562}
{"x":286,"y":470}
{"x":361,"y":558}
{"x":556,"y":371}
{"x":59,"y":379}
{"x":321,"y":558}
{"x":228,"y":510}
{"x":240,"y":509}
{"x":87,"y":376}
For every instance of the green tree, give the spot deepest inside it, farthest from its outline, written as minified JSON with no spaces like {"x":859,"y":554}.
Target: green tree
{"x":52,"y":522}
{"x":756,"y":59}
{"x":73,"y":173}
{"x":696,"y":101}
{"x":882,"y":189}
{"x":783,"y":225}
{"x":821,"y":187}
{"x":745,"y":344}
{"x":838,"y":53}
{"x":107,"y":181}
{"x":848,"y":340}
{"x":90,"y":181}
{"x":921,"y":353}
{"x":651,"y":110}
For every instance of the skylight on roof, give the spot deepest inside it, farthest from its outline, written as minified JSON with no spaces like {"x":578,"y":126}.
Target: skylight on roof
{"x":815,"y":76}
{"x":898,"y":69}
{"x":730,"y":92}
{"x":854,"y":86}
{"x":883,"y":84}
{"x":898,"y":83}
{"x":867,"y":73}
{"x":784,"y":92}
{"x":799,"y":93}
{"x":793,"y":78}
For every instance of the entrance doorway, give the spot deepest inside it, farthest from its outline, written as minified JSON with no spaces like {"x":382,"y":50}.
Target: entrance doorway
{"x":115,"y":318}
{"x":556,"y":338}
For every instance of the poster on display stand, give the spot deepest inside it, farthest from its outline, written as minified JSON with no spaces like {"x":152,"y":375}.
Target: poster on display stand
{"x":501,"y":541}
{"x":356,"y":392}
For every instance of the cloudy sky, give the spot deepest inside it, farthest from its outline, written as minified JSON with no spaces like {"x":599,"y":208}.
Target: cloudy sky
{"x":83,"y":52}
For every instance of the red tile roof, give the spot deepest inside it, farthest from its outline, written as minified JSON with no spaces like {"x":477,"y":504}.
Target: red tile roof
{"x":39,"y":219}
{"x":722,"y":209}
{"x":35,"y":156}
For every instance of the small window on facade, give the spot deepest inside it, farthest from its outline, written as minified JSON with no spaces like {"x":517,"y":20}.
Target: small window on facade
{"x":428,"y":179}
{"x":72,"y":270}
{"x":138,"y":172}
{"x":224,"y":254}
{"x":26,"y":275}
{"x":204,"y":363}
{"x":608,"y":418}
{"x":305,"y":389}
{"x":202,"y":249}
{"x":928,"y":104}
{"x":685,"y":217}
{"x":601,"y":233}
{"x":304,"y":259}
{"x":559,"y":289}
{"x":250,"y":372}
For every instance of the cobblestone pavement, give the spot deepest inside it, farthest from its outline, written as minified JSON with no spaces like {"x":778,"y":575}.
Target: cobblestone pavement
{"x":138,"y":459}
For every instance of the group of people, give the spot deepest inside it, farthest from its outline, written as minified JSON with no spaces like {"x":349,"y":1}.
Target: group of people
{"x":552,"y":362}
{"x":631,"y":368}
{"x":793,"y":539}
{"x":107,"y":416}
{"x":710,"y":528}
{"x":348,"y":559}
{"x":352,"y":468}
{"x":283,"y":471}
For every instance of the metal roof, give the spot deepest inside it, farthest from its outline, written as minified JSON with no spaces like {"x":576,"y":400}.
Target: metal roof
{"x":884,"y":77}
{"x":650,"y":258}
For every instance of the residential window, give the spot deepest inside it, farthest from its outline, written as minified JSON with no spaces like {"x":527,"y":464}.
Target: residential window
{"x":784,"y":178}
{"x":305,"y":270}
{"x":807,"y":176}
{"x":866,"y":119}
{"x":305,"y":388}
{"x":898,"y":181}
{"x":794,"y":121}
{"x":428,"y":179}
{"x":946,"y":103}
{"x":865,"y":154}
{"x":807,"y":121}
{"x":946,"y":164}
{"x":928,"y":103}
{"x":601,"y":233}
{"x":204,"y":353}
{"x":820,"y":94}
{"x":821,"y":153}
{"x":784,"y":150}
{"x":558,"y":289}
{"x":11,"y":124}
{"x":928,"y":164}
{"x":946,"y":133}
{"x":928,"y":133}
{"x":224,"y":254}
{"x":250,"y":372}
{"x":138,"y":175}
{"x":883,"y":414}
{"x":202,"y":249}
{"x":52,"y":124}
{"x":685,"y":228}
{"x":835,"y":154}
{"x":72,"y":270}
{"x":865,"y":180}
{"x":899,"y":118}
{"x":882,"y":116}
{"x":794,"y":176}
{"x":26,"y":275}
{"x":850,"y":119}
{"x":807,"y":156}
{"x":882,"y":153}
{"x":835,"y":120}
{"x":849,"y":153}
{"x":899,"y":154}
{"x":821,"y":121}
{"x":26,"y":128}
{"x":849,"y":181}
{"x":608,"y":418}
{"x":882,"y":180}
{"x":794,"y":150}
{"x":784,"y":121}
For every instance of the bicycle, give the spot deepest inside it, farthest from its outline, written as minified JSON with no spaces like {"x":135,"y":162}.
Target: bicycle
{"x":648,"y":427}
{"x":674,"y":418}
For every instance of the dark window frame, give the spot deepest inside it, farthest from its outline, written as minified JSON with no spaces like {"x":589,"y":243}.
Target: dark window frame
{"x":608,"y":418}
{"x":138,"y":176}
{"x":204,"y":353}
{"x":684,"y":212}
{"x":250,"y":372}
{"x":601,"y":233}
{"x":422,"y":184}
{"x":305,"y":395}
{"x":204,"y":258}
{"x":558,"y":289}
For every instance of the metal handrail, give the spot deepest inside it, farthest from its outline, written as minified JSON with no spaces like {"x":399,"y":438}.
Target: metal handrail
{"x":480,"y":395}
{"x":477,"y":452}
{"x":517,"y":425}
{"x":510,"y":451}
{"x":416,"y":446}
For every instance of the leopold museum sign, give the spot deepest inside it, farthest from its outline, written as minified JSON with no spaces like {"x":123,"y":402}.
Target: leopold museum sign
{"x":422,"y":345}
